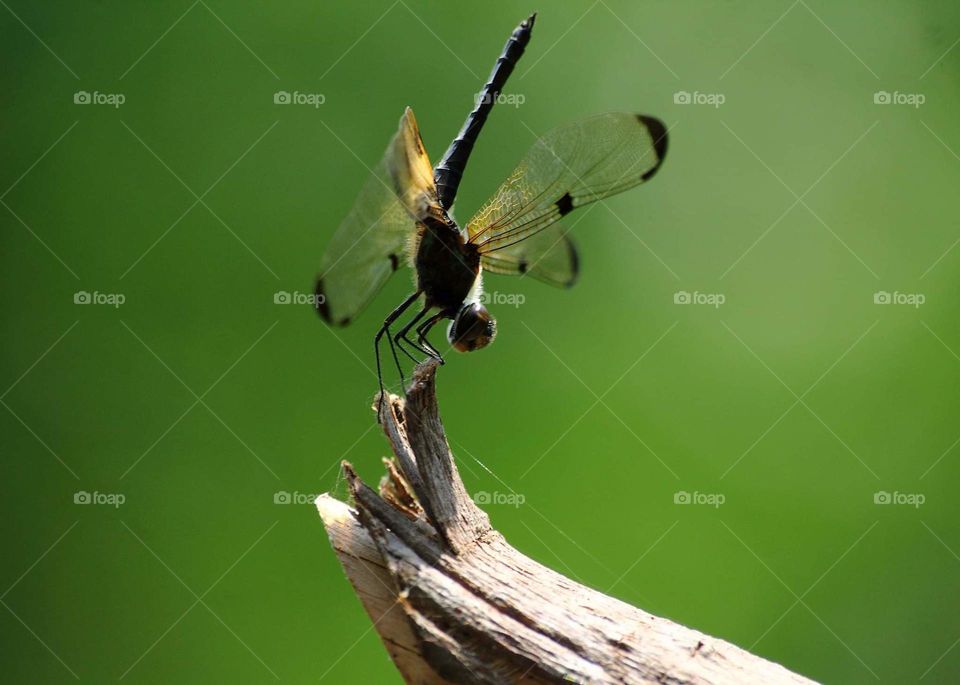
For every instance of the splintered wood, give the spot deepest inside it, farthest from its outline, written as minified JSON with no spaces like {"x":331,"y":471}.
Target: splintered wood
{"x":456,"y":605}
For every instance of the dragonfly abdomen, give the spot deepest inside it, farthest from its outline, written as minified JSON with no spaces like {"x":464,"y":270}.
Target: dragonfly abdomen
{"x":449,"y":171}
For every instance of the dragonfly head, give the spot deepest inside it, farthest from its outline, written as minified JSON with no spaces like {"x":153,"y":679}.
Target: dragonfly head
{"x":472,"y":328}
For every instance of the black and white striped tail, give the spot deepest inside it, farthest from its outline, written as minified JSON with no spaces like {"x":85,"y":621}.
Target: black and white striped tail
{"x":450,"y":169}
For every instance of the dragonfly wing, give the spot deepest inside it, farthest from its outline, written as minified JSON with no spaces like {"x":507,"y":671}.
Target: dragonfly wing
{"x":569,"y":167}
{"x":374,"y":239}
{"x":410,"y":169}
{"x":549,"y":256}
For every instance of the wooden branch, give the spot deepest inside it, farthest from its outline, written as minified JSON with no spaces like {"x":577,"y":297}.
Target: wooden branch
{"x":455,"y":604}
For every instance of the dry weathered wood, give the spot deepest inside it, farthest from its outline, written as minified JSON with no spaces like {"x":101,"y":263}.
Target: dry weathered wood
{"x":454,"y":603}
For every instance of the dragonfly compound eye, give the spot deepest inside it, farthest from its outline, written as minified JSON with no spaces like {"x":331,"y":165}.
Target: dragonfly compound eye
{"x":472,"y":328}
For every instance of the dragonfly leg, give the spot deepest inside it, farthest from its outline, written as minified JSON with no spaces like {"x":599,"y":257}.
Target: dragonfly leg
{"x":422,"y":331}
{"x":401,"y":337}
{"x":394,"y":315}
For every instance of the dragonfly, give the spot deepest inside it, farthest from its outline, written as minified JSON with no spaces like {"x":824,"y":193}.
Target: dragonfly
{"x":403,"y":216}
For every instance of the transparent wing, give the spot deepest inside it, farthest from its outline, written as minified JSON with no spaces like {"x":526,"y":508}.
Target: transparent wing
{"x":548,"y":255}
{"x":568,"y":167}
{"x":372,"y":241}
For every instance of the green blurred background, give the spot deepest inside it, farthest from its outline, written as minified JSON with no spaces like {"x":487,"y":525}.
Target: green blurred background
{"x":199,"y":398}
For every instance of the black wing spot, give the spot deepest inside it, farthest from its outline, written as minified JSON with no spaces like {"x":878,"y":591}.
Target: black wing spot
{"x":565,"y":204}
{"x":394,"y":262}
{"x":574,"y":263}
{"x":659,"y":134}
{"x":320,"y":301}
{"x":323,"y":308}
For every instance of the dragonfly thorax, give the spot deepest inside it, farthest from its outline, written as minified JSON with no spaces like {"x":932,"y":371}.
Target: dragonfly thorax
{"x":446,"y":265}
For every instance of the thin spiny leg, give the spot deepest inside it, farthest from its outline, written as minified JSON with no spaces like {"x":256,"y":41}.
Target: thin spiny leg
{"x":422,"y":331}
{"x":401,"y":336}
{"x":394,"y":315}
{"x":405,"y":350}
{"x":396,"y":363}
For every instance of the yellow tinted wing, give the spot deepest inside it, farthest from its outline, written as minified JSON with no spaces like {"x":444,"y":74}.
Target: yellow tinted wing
{"x":371,"y":242}
{"x":410,"y":169}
